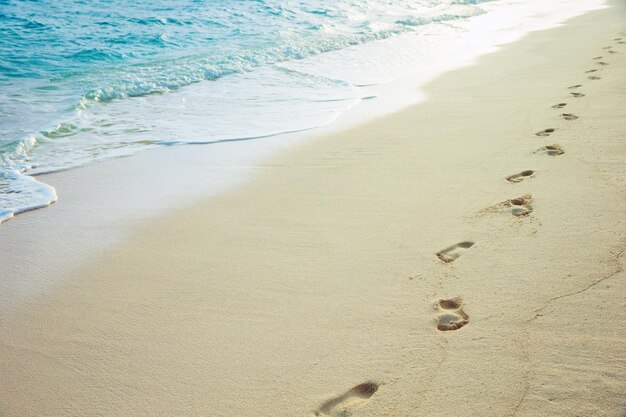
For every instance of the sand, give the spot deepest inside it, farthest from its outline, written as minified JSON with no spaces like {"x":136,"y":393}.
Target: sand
{"x":412,"y":266}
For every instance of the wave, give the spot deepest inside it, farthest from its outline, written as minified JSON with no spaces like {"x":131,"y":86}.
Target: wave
{"x":171,"y":75}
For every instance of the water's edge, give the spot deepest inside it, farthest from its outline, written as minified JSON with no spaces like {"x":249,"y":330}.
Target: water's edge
{"x":400,"y":66}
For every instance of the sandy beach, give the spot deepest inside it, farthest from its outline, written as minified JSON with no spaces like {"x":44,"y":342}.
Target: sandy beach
{"x":463,"y":257}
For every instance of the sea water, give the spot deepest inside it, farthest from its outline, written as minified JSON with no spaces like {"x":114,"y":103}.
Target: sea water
{"x":81,"y":81}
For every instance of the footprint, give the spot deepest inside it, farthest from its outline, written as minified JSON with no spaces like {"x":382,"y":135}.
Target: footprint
{"x":612,"y":52}
{"x":452,"y":316}
{"x":451,"y":253}
{"x":577,"y":94}
{"x":559,"y":106}
{"x":569,"y":116}
{"x":572,"y":87}
{"x":602,"y":63}
{"x":594,"y":77}
{"x":590,"y":71}
{"x":597,"y":57}
{"x":519,"y":207}
{"x":521,"y":176}
{"x":545,"y":132}
{"x":608,"y":47}
{"x":551,"y":150}
{"x":344,"y":405}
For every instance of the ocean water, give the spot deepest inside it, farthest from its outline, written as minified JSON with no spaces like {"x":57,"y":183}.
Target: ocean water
{"x":82,"y":81}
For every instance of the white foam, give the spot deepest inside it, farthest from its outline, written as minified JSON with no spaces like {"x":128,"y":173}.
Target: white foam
{"x":24,"y":193}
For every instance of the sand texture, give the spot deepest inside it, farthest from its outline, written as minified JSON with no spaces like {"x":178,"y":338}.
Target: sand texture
{"x":463,"y":257}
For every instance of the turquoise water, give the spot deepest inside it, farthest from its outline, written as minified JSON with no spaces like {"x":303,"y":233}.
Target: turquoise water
{"x":86,"y":80}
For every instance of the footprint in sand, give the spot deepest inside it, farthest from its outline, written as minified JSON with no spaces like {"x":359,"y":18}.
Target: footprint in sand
{"x":573,"y":87}
{"x":608,"y":48}
{"x":452,"y":253}
{"x":344,"y":405}
{"x":602,"y":63}
{"x":590,"y":71}
{"x":551,"y":150}
{"x":569,"y":116}
{"x":545,"y":132}
{"x":594,"y":77}
{"x":597,"y":57}
{"x":559,"y":106}
{"x":521,"y":176}
{"x":577,"y":95}
{"x":612,"y":52}
{"x":519,"y":207}
{"x":452,"y":316}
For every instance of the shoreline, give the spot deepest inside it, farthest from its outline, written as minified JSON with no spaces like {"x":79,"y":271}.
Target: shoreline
{"x":395,"y":85}
{"x":281,"y":295}
{"x":107,"y":198}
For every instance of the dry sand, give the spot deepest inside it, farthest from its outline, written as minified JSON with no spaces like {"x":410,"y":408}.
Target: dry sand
{"x":316,"y":288}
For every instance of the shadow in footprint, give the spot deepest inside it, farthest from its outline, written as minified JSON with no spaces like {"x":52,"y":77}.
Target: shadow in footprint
{"x":559,"y":106}
{"x":569,"y":116}
{"x":343,"y":405}
{"x":545,"y":132}
{"x":551,"y":150}
{"x":612,"y":52}
{"x":597,"y":57}
{"x":452,"y":317}
{"x":453,"y":252}
{"x":577,"y":95}
{"x":602,"y":63}
{"x":594,"y":77}
{"x":590,"y":71}
{"x":521,"y":176}
{"x":573,"y":87}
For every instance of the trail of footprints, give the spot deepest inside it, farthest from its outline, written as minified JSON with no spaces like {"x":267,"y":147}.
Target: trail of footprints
{"x":450,"y":314}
